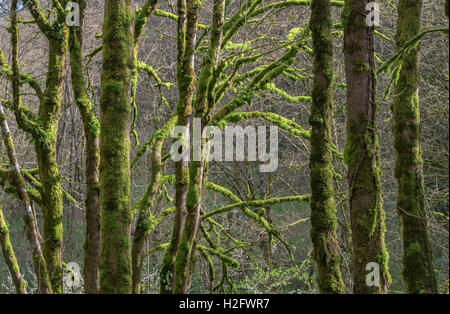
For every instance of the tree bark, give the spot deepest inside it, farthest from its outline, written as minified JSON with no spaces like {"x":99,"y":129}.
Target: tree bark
{"x":203,"y":103}
{"x":115,"y":211}
{"x":418,"y":273}
{"x":91,"y":130}
{"x":49,"y":113}
{"x":45,"y":140}
{"x":323,"y":207}
{"x":144,"y":221}
{"x":186,"y":38}
{"x":362,"y":151}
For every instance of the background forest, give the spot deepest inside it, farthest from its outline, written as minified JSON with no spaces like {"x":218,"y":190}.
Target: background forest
{"x":262,"y":243}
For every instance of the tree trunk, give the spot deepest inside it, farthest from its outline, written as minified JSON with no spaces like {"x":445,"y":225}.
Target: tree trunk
{"x":45,"y":141}
{"x":52,"y":203}
{"x":362,"y":152}
{"x":323,"y":208}
{"x":39,"y":263}
{"x":203,"y":103}
{"x":91,"y":133}
{"x":418,"y":271}
{"x":144,"y":221}
{"x":186,"y":38}
{"x":115,"y":212}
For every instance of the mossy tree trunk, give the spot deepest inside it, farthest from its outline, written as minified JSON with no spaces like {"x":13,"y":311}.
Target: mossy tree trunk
{"x":49,"y":174}
{"x":91,"y":132}
{"x":186,"y":38}
{"x":115,"y":211}
{"x":418,"y":272}
{"x":185,"y":258}
{"x":362,"y":151}
{"x":16,"y":177}
{"x":144,"y":221}
{"x":45,"y":145}
{"x":323,"y":208}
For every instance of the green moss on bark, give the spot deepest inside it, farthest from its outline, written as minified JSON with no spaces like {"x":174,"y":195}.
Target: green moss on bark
{"x":52,"y":203}
{"x":418,"y":271}
{"x":362,"y":152}
{"x":115,"y":209}
{"x":323,"y":208}
{"x":91,"y":128}
{"x":187,"y":196}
